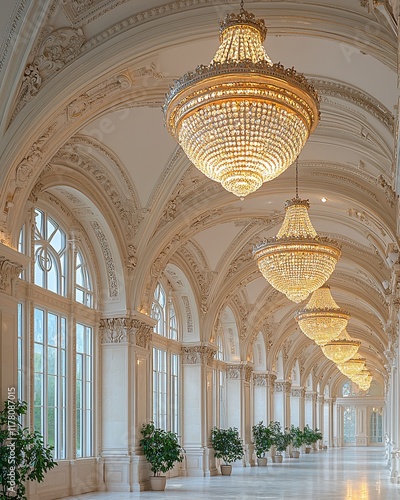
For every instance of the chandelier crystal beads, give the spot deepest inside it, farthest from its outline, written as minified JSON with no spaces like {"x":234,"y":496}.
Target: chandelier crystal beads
{"x":241,"y":120}
{"x":297,"y":261}
{"x":342,"y":349}
{"x":322,"y":320}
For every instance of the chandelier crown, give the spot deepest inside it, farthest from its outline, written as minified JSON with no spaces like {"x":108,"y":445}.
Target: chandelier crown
{"x":297,"y":223}
{"x":242,"y":120}
{"x":245,"y":18}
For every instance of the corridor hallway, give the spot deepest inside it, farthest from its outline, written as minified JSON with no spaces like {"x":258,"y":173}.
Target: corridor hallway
{"x":335,"y":474}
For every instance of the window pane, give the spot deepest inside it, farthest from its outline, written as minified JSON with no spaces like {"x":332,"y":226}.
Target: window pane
{"x":38,"y":334}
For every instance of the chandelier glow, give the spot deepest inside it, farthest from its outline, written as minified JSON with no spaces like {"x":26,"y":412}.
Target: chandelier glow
{"x":241,"y":120}
{"x":352,"y":366}
{"x":342,"y":349}
{"x":297,"y":261}
{"x":322,"y":320}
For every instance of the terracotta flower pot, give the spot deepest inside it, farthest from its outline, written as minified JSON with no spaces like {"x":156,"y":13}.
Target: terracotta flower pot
{"x":262,"y":462}
{"x":157,"y":483}
{"x":226,"y":470}
{"x":296,"y":454}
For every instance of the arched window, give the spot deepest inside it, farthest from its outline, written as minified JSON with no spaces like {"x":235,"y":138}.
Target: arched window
{"x":166,"y":362}
{"x":60,"y":338}
{"x":375,"y":426}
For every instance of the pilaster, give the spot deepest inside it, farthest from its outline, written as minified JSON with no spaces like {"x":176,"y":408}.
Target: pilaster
{"x":125,"y":400}
{"x":198,"y":397}
{"x":238,"y":377}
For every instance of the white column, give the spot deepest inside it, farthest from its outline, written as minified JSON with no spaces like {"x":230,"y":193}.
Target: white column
{"x":297,"y":406}
{"x":320,"y":416}
{"x":282,"y":402}
{"x":125,"y":401}
{"x":361,"y":426}
{"x":198,"y":394}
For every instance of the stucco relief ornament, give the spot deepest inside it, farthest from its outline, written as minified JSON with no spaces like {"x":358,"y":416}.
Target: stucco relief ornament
{"x":57,"y":49}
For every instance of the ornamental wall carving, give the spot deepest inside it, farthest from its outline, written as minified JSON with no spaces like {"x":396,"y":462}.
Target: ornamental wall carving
{"x":9,"y":272}
{"x":108,"y":259}
{"x":196,"y":355}
{"x":189,"y":317}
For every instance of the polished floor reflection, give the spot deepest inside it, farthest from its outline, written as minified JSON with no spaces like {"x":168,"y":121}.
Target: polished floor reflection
{"x":335,"y":474}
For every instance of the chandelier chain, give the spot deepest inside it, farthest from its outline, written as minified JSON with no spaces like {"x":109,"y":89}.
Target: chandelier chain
{"x":297,"y":177}
{"x":241,"y":5}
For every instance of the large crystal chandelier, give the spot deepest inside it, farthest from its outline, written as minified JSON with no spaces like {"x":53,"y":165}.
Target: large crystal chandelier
{"x":297,"y":261}
{"x":241,"y":120}
{"x":352,"y":366}
{"x":322,"y":320}
{"x":342,"y":349}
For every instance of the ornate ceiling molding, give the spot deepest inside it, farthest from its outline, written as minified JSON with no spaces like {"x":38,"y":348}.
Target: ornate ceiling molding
{"x":351,"y":94}
{"x":57,"y":49}
{"x":127,"y":209}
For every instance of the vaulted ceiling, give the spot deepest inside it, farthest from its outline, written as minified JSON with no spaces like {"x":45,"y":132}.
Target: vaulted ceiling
{"x":82,"y":85}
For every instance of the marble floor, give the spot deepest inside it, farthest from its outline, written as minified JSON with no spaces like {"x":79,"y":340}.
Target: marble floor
{"x":335,"y":474}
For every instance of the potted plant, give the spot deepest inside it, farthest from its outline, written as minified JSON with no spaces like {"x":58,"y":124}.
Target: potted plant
{"x":262,"y":438}
{"x":227,"y":446}
{"x":297,"y":440}
{"x":318,"y":436}
{"x":280,"y":440}
{"x":308,"y":438}
{"x":161,"y":449}
{"x":23,"y":455}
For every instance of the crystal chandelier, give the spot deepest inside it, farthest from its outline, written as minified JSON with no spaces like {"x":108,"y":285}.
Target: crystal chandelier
{"x":352,"y":366}
{"x":362,"y":379}
{"x":297,"y":261}
{"x":322,"y":320}
{"x":342,"y":349}
{"x":241,"y":120}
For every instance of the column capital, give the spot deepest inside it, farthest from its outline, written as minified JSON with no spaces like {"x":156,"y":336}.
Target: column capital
{"x":283,"y":386}
{"x":141,"y":329}
{"x":311,"y":396}
{"x":11,"y":265}
{"x":198,"y":354}
{"x":298,"y":392}
{"x":240,"y":371}
{"x":114,"y":330}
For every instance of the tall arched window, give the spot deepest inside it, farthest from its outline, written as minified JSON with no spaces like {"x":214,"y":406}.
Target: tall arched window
{"x":60,"y":338}
{"x":166,"y":362}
